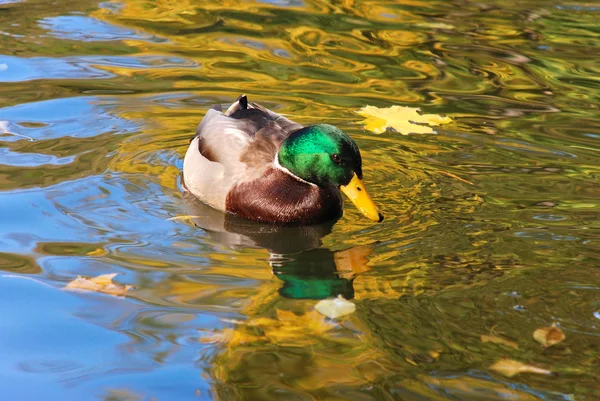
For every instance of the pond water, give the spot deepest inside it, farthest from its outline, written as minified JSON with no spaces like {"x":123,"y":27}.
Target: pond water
{"x":492,"y":224}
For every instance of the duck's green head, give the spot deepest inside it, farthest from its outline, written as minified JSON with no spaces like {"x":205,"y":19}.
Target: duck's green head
{"x":324,"y":155}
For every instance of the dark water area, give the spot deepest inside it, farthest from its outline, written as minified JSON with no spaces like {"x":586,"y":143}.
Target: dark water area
{"x":492,"y":223}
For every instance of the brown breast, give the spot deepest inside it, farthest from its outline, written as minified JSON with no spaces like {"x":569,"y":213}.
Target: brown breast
{"x":277,"y":197}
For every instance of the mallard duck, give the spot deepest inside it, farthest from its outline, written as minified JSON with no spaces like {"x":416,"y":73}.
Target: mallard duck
{"x":259,"y":165}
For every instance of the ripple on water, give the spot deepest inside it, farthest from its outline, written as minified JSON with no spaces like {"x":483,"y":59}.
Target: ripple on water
{"x":65,"y":348}
{"x":66,"y":117}
{"x":32,"y":159}
{"x":16,"y":69}
{"x":83,"y":28}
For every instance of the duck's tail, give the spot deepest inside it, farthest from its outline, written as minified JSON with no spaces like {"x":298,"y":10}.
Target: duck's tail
{"x":241,"y":103}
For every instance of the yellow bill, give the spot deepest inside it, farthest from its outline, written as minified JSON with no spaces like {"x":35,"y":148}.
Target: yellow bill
{"x":357,"y":192}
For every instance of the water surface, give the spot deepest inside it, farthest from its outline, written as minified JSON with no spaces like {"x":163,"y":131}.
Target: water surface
{"x":98,"y":102}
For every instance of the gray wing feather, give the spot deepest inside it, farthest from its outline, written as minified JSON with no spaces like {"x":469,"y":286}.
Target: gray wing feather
{"x":225,"y":136}
{"x":222,"y":138}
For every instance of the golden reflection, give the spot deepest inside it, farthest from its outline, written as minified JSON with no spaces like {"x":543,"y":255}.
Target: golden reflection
{"x":14,"y":263}
{"x":161,"y":10}
{"x":185,"y":292}
{"x":467,"y":388}
{"x":278,"y":313}
{"x":445,"y":234}
{"x":302,"y":269}
{"x":353,"y":261}
{"x":288,"y":54}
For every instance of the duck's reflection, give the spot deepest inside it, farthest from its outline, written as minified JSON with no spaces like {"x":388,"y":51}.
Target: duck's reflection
{"x":307,"y":270}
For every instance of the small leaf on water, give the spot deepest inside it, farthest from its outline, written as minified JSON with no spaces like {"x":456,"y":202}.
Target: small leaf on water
{"x":498,"y":340}
{"x":411,"y":361}
{"x":337,"y":307}
{"x":436,"y":25}
{"x":434,"y":354}
{"x":405,"y":120}
{"x":182,"y":217}
{"x":548,"y":336}
{"x":101,"y":283}
{"x":510,"y":368}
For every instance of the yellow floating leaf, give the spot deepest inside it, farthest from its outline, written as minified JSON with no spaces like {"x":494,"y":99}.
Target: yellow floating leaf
{"x":434,"y":354}
{"x":411,"y":361}
{"x":548,"y":336}
{"x":498,"y":340}
{"x":101,"y":283}
{"x":436,"y":25}
{"x":510,"y":368}
{"x":183,"y":217}
{"x":405,"y":120}
{"x":337,"y":307}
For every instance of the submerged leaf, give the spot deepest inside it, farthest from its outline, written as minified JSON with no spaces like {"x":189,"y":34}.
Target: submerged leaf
{"x":510,"y":368}
{"x":548,"y":336}
{"x":337,"y":307}
{"x":405,"y":120}
{"x":498,"y":340}
{"x":101,"y":283}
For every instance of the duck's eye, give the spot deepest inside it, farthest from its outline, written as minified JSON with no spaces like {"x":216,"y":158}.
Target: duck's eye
{"x":336,"y":158}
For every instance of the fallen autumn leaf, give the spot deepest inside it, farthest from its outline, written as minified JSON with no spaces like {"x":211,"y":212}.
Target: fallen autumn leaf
{"x":510,"y":368}
{"x":549,"y":336}
{"x":405,"y":120}
{"x":101,"y":283}
{"x":498,"y":340}
{"x":337,"y":307}
{"x":183,"y":217}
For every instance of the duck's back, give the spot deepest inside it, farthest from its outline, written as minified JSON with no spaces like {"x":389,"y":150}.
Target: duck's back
{"x":233,"y":148}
